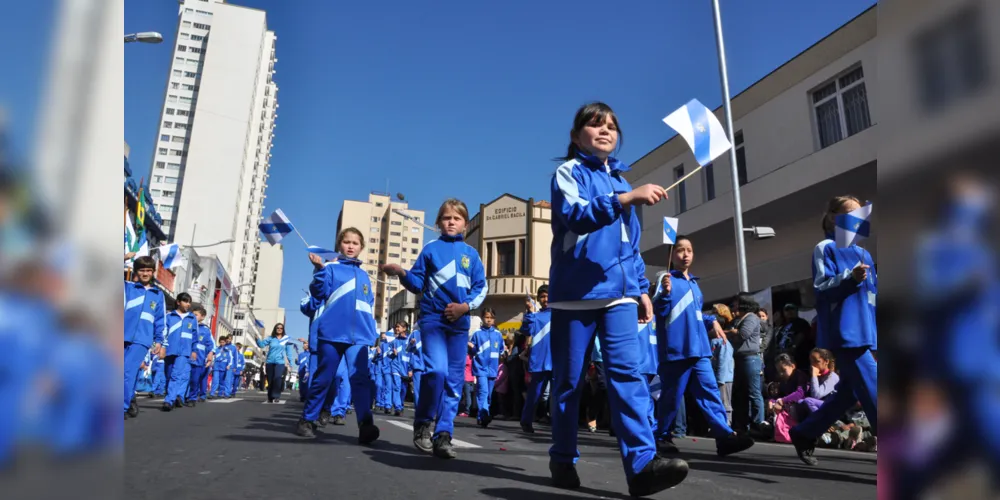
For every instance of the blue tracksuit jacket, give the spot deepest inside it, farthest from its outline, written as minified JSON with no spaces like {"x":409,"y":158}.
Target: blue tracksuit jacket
{"x":241,"y":361}
{"x":401,"y":360}
{"x":145,"y":315}
{"x":447,"y":271}
{"x":345,"y":314}
{"x":595,"y":241}
{"x":279,"y":351}
{"x":181,"y":330}
{"x":487,"y":346}
{"x":203,"y":345}
{"x":680,"y":327}
{"x":845,"y":309}
{"x":414,"y":346}
{"x":302,"y":362}
{"x":537,"y":326}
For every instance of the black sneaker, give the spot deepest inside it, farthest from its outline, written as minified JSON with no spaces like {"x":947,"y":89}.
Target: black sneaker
{"x":666,"y":447}
{"x":485,"y":421}
{"x":443,"y":447}
{"x":338,"y":420}
{"x":306,"y":429}
{"x":422,"y":437}
{"x":133,"y":409}
{"x":564,"y":475}
{"x":367,"y":432}
{"x":178,"y":403}
{"x":659,"y":474}
{"x":211,"y":397}
{"x":733,"y":443}
{"x":201,"y":400}
{"x":166,"y":407}
{"x":398,"y":413}
{"x":527,"y":428}
{"x":324,"y":418}
{"x":350,"y":411}
{"x":804,"y":448}
{"x":190,"y":404}
{"x":386,"y":411}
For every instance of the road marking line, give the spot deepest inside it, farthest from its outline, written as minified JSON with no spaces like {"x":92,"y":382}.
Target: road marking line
{"x":457,"y":443}
{"x":225,"y":400}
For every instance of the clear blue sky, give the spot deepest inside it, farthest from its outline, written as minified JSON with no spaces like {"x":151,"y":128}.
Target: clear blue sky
{"x":467,"y":99}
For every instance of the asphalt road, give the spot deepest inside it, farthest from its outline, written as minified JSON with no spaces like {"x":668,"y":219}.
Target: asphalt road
{"x":244,"y":449}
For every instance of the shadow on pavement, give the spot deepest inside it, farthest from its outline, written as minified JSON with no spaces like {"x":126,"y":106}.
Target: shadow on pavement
{"x":525,"y":494}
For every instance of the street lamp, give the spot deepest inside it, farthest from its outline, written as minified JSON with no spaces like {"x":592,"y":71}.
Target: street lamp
{"x":761,"y":232}
{"x":210,"y":244}
{"x":400,"y":197}
{"x":144,"y":37}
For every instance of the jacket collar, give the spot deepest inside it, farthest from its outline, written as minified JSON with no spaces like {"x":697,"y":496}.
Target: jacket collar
{"x":457,"y":237}
{"x":679,"y":275}
{"x":595,"y":163}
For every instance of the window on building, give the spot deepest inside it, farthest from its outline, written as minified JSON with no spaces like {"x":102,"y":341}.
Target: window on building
{"x":372,"y":250}
{"x":378,"y":204}
{"x":414,"y":251}
{"x":681,"y":189}
{"x":188,"y":87}
{"x":374,"y":230}
{"x":168,"y":124}
{"x":505,"y":258}
{"x":161,"y":164}
{"x":164,"y":138}
{"x":394,"y":255}
{"x":374,"y":219}
{"x":197,"y":38}
{"x":176,"y":152}
{"x":181,"y":48}
{"x":170,"y":111}
{"x":373,"y":240}
{"x":177,"y":138}
{"x":741,"y":158}
{"x":169,"y":180}
{"x":173,"y":166}
{"x":184,"y":112}
{"x":175,"y":85}
{"x":157,"y":178}
{"x":394,"y":233}
{"x":196,"y":50}
{"x":238,"y":316}
{"x":155,"y":192}
{"x":951,"y":59}
{"x":396,"y":223}
{"x":841,"y":107}
{"x":396,"y":245}
{"x":185,"y":23}
{"x":709,"y":182}
{"x":414,"y":229}
{"x":171,"y":98}
{"x":201,"y":26}
{"x":161,"y":151}
{"x":179,"y":60}
{"x":185,"y":100}
{"x":524,"y":256}
{"x":190,"y":74}
{"x":182,"y":126}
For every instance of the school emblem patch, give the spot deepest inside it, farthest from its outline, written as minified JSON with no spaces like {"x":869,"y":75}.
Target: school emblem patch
{"x":152,"y":304}
{"x":465,"y":262}
{"x":364,"y":289}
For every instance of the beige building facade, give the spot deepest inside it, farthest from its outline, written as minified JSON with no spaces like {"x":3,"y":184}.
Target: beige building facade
{"x":804,"y":133}
{"x":393,"y":235}
{"x":513,"y":237}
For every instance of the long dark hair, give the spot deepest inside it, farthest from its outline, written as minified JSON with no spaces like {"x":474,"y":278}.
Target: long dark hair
{"x":592,"y":113}
{"x":745,"y":303}
{"x":274,"y":331}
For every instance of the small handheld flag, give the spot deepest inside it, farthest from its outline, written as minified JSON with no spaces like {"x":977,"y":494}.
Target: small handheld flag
{"x":851,"y":228}
{"x":325,"y":253}
{"x":276,"y":227}
{"x":171,"y":256}
{"x":701,"y":130}
{"x":670,"y":225}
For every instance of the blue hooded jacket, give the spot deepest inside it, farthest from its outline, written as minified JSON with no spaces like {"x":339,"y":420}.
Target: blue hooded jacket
{"x":537,"y":326}
{"x":415,"y":348}
{"x":447,"y":271}
{"x":345,"y":314}
{"x":203,"y":345}
{"x":181,"y":330}
{"x":399,"y":359}
{"x":145,"y":315}
{"x":487,"y":345}
{"x":595,"y":241}
{"x":845,"y":309}
{"x":680,"y":327}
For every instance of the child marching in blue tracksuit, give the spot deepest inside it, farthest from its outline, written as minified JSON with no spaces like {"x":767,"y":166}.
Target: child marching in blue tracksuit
{"x":222,"y":362}
{"x":536,"y":327}
{"x":145,"y":323}
{"x":415,"y":350}
{"x":399,"y":368}
{"x":846,"y":285}
{"x":241,"y":363}
{"x":685,"y":352}
{"x":384,"y":397}
{"x":203,"y":349}
{"x":597,"y":285}
{"x":182,"y":327}
{"x":302,"y":362}
{"x":450,"y":278}
{"x":486,"y":346}
{"x":345,"y":327}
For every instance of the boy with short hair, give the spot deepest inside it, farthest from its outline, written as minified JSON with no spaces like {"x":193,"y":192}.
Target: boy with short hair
{"x":181,"y":329}
{"x":144,"y":325}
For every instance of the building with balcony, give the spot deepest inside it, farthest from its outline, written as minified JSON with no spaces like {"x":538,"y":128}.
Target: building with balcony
{"x":393,"y":235}
{"x":404,"y":306}
{"x":513,"y":237}
{"x":804,"y":133}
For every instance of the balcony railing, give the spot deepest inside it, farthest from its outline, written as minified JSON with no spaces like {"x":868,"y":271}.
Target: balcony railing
{"x":514,"y":286}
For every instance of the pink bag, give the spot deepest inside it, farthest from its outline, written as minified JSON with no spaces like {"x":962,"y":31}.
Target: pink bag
{"x":501,"y":383}
{"x":783,"y":423}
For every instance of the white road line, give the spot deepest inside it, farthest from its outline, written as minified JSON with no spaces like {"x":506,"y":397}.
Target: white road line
{"x":457,"y":443}
{"x":225,"y":400}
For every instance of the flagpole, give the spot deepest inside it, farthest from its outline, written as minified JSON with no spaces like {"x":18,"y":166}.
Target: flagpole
{"x":741,"y":253}
{"x":300,"y":236}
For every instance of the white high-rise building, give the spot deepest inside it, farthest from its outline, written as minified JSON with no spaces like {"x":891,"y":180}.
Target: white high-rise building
{"x":212,"y":153}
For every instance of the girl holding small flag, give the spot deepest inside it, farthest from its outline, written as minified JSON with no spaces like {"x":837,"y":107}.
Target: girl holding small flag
{"x":846,"y":285}
{"x":597,"y":287}
{"x":450,"y":278}
{"x":345,"y":327}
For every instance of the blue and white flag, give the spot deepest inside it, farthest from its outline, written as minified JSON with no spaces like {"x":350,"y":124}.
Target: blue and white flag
{"x":670,"y":225}
{"x":850,"y":228}
{"x":259,"y":323}
{"x":701,"y":129}
{"x":171,"y":256}
{"x":325,"y":253}
{"x":276,"y":227}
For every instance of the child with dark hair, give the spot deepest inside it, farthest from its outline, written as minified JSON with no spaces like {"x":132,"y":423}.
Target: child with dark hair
{"x":486,"y":346}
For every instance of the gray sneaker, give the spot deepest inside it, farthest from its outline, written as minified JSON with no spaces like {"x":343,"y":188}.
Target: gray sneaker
{"x":422,"y":437}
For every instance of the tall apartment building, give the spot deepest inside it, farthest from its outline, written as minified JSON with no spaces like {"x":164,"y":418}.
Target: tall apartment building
{"x":804,"y":133}
{"x":212,"y":154}
{"x":390,"y":238}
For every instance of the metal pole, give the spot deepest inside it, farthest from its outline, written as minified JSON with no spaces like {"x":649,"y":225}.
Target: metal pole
{"x":741,"y":252}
